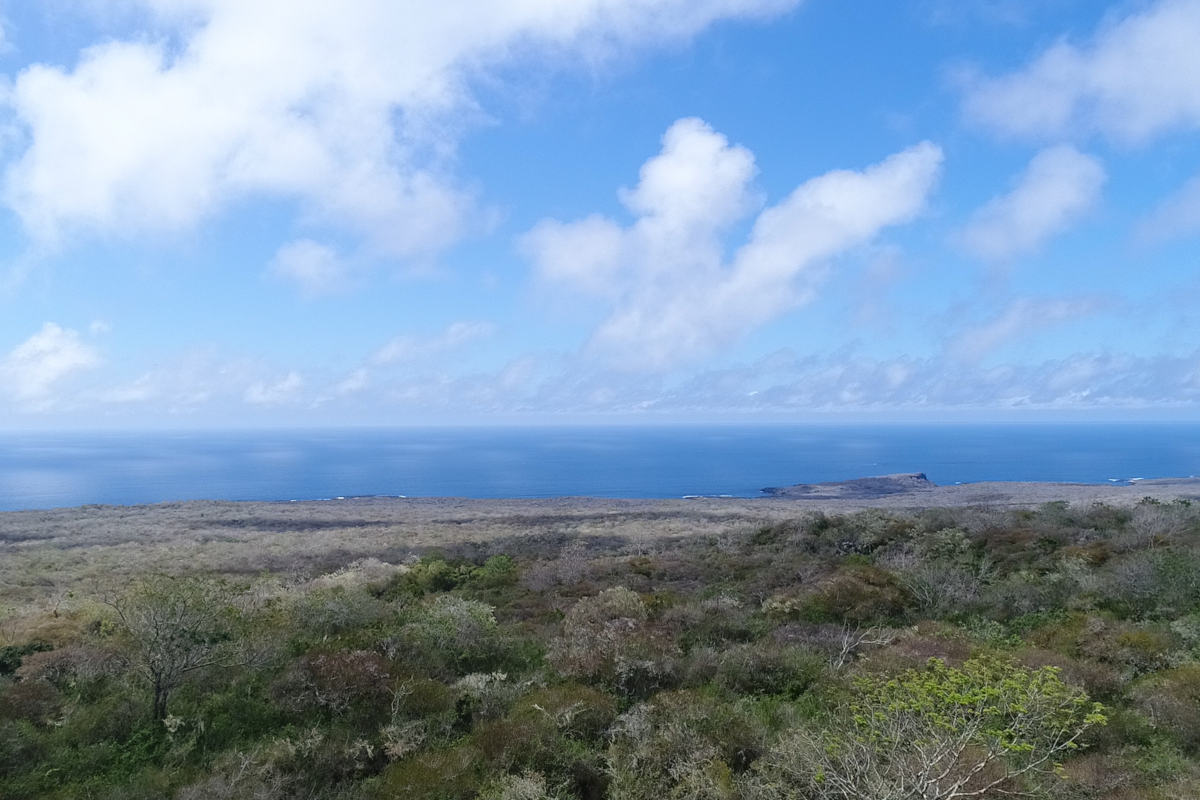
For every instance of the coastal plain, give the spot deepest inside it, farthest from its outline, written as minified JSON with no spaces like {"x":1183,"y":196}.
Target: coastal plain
{"x":43,"y":552}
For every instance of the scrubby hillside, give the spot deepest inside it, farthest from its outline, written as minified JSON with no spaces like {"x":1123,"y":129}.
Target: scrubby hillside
{"x":878,"y":654}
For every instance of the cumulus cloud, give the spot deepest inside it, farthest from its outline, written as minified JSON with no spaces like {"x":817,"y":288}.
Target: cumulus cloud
{"x":674,"y":293}
{"x":32,"y":370}
{"x":1021,"y":318}
{"x":1057,"y":188}
{"x":350,"y":110}
{"x":316,"y":269}
{"x":1135,"y":79}
{"x":414,"y":348}
{"x":284,"y":390}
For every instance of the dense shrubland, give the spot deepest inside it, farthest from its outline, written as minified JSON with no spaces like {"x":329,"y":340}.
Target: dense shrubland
{"x":884,"y":656}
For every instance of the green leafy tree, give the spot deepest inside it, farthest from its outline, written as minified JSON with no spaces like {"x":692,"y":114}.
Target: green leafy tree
{"x":987,"y":729}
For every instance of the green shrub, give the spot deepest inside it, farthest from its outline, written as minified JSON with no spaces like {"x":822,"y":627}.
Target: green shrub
{"x":681,"y":744}
{"x":496,"y":572}
{"x":21,"y":747}
{"x":936,"y":733}
{"x":327,"y":612}
{"x":578,"y":712}
{"x":456,"y":773}
{"x":11,"y":655}
{"x":430,"y":575}
{"x":551,"y":731}
{"x":765,"y":668}
{"x":853,"y":595}
{"x":1156,"y":583}
{"x":450,"y":636}
{"x":1171,"y":700}
{"x":713,"y":621}
{"x":527,"y":786}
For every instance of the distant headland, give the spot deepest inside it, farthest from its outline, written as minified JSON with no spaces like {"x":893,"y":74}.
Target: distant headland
{"x":914,"y":489}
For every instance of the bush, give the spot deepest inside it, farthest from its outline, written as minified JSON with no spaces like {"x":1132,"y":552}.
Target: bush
{"x":578,"y":712}
{"x":450,"y":636}
{"x":856,"y":595}
{"x":456,"y":773}
{"x":33,"y":701}
{"x":935,"y":733}
{"x":681,"y":744}
{"x":763,"y":668}
{"x":710,"y":622}
{"x":606,"y":639}
{"x":11,"y":655}
{"x":1171,"y":700}
{"x":551,"y":731}
{"x":1156,"y":583}
{"x":345,"y":681}
{"x":528,"y":786}
{"x":497,"y":572}
{"x":338,"y":610}
{"x":430,"y":575}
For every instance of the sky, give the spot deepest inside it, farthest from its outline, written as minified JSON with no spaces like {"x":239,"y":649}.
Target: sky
{"x":393,"y":212}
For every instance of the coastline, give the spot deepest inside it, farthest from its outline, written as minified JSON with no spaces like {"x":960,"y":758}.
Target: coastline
{"x":802,"y":496}
{"x":101,"y":542}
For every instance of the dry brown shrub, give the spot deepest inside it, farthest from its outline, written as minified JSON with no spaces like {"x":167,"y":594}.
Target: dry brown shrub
{"x":34,"y":701}
{"x":1102,"y":776}
{"x":337,"y":681}
{"x":607,"y":638}
{"x":1099,"y":680}
{"x":76,"y":662}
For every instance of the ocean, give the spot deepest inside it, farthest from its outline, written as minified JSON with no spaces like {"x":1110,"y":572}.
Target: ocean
{"x":48,"y":470}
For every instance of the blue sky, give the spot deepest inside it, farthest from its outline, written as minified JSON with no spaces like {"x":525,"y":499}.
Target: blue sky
{"x":220,"y":213}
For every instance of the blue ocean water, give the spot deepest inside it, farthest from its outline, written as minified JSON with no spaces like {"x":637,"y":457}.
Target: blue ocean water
{"x":40,"y":470}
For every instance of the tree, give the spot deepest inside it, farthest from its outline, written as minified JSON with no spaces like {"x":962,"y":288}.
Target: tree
{"x":987,"y":729}
{"x":174,"y":627}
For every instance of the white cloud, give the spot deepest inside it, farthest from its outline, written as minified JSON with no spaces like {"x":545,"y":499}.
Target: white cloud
{"x":1134,"y":80}
{"x":262,"y":393}
{"x":33,"y":369}
{"x":1057,"y":188}
{"x":587,"y":253}
{"x":139,"y":390}
{"x":675,"y":295}
{"x":350,"y":109}
{"x":1021,"y":318}
{"x":1177,"y":215}
{"x":415,"y":348}
{"x":353,"y":383}
{"x":315,"y":268}
{"x":195,"y":380}
{"x":785,"y":383}
{"x":839,"y":384}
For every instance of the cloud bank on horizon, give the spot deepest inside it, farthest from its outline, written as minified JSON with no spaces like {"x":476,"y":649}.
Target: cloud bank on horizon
{"x":218,"y":212}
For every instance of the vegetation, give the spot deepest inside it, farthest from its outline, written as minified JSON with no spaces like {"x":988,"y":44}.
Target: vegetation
{"x":946,"y":653}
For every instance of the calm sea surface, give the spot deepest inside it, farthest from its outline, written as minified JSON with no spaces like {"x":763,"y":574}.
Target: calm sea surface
{"x":51,"y":470}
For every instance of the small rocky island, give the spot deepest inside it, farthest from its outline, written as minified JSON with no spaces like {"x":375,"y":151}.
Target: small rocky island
{"x":856,"y":489}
